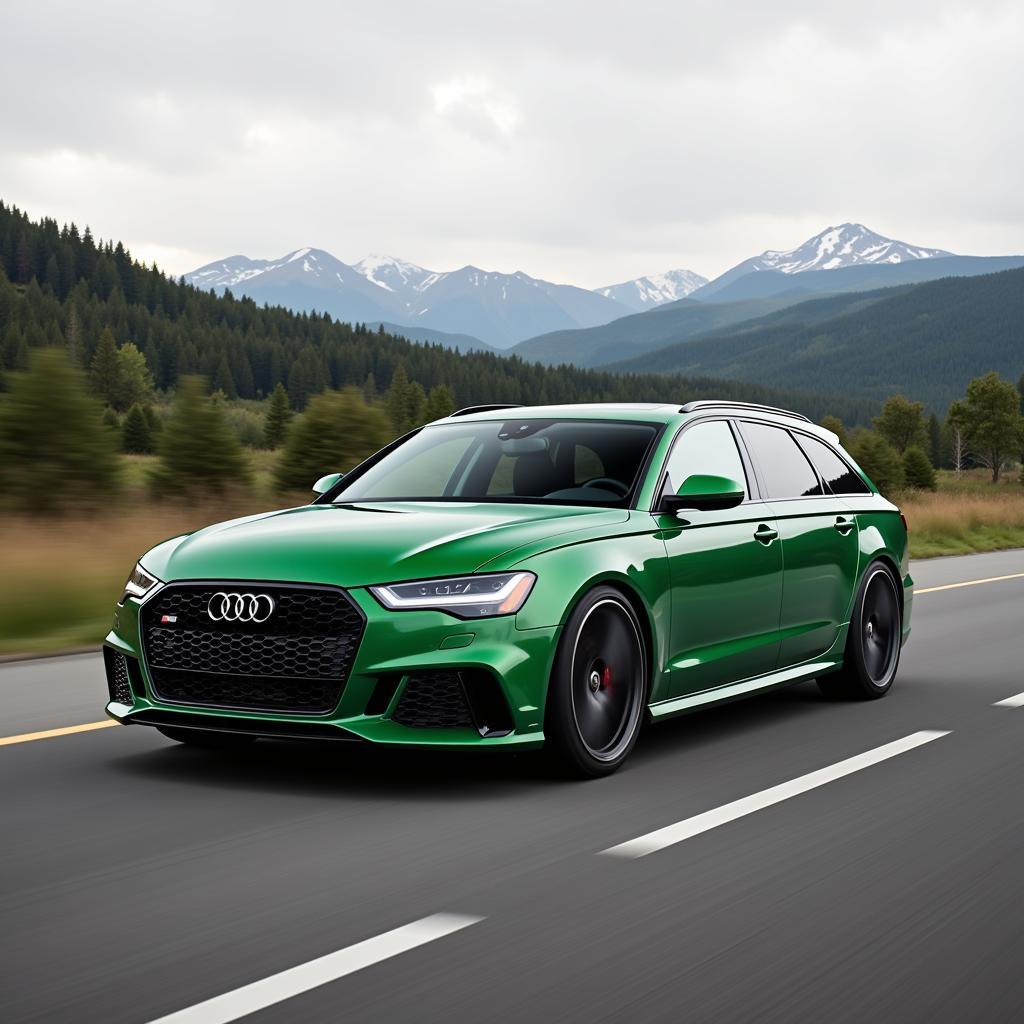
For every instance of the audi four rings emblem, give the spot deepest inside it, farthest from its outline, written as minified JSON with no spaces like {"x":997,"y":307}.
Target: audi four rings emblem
{"x":224,"y":607}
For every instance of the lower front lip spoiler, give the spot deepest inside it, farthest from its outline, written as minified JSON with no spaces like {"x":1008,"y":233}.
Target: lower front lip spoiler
{"x":244,"y":726}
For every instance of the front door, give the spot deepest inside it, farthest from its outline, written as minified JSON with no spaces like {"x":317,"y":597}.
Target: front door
{"x":725,"y":569}
{"x":820,"y":545}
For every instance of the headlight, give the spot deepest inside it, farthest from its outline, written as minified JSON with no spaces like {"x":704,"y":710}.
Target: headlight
{"x":468,"y":597}
{"x":138,"y":584}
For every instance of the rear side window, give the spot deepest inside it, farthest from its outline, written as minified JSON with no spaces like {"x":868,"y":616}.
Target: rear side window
{"x":786,"y":471}
{"x":708,"y":449}
{"x":838,"y":476}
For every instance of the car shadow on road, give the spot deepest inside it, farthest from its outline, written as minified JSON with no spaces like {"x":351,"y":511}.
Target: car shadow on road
{"x":366,"y":771}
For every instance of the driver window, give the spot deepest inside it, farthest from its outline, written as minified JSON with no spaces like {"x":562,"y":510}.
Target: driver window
{"x":706,"y":448}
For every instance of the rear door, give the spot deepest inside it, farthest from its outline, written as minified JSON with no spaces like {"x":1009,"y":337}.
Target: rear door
{"x":819,"y":542}
{"x":725,"y":569}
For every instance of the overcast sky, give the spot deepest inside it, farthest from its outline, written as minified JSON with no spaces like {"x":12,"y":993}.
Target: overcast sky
{"x":584,"y":142}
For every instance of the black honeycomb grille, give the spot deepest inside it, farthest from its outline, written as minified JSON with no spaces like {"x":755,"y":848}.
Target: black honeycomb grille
{"x":433,"y":700}
{"x":295,"y":662}
{"x":118,"y":683}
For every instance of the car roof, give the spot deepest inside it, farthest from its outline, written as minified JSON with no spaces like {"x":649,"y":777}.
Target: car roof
{"x":639,"y":412}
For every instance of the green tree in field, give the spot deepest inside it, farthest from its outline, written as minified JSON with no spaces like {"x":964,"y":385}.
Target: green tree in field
{"x":397,"y":399}
{"x":990,"y":419}
{"x":902,"y":423}
{"x":279,"y":415}
{"x":135,"y":380}
{"x":415,"y":405}
{"x":440,"y":403}
{"x":120,"y":376}
{"x":198,"y":451}
{"x":917,"y":470}
{"x":55,"y":451}
{"x":835,"y":424}
{"x":337,"y":431}
{"x":104,"y":370}
{"x":112,"y":421}
{"x":136,"y":434}
{"x":879,"y":459}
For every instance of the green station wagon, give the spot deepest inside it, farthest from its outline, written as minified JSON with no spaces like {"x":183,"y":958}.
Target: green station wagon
{"x":513,"y":577}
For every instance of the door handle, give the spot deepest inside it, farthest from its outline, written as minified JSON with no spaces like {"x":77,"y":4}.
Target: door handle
{"x":765,"y":535}
{"x":844,"y":526}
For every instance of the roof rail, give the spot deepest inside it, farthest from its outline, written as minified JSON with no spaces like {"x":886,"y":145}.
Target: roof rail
{"x":709,"y":403}
{"x":483,"y":408}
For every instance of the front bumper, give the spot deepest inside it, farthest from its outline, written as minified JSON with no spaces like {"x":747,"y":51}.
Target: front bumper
{"x":395,"y":646}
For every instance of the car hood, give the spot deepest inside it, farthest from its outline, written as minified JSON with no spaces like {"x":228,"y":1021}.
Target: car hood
{"x":358,"y":545}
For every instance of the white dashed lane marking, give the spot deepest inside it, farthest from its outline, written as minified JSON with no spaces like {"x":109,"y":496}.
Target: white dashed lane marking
{"x":689,"y":827}
{"x":296,"y":980}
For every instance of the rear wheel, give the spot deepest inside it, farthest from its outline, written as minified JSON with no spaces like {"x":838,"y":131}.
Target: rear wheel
{"x":873,"y":642}
{"x":207,"y":739}
{"x":598,"y":686}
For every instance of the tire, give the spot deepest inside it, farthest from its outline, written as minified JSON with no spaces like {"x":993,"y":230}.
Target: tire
{"x":207,"y":739}
{"x":598,"y":687}
{"x":873,"y":641}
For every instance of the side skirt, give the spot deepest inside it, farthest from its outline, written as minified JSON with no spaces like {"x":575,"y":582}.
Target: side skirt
{"x":736,"y":691}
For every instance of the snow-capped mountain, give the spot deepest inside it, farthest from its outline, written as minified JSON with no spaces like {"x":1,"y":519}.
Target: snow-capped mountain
{"x":393,"y":275}
{"x":647,"y":292}
{"x":843,"y":246}
{"x":499,"y":309}
{"x":847,"y":245}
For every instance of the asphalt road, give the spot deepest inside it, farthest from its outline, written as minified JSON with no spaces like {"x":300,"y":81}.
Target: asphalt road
{"x":139,"y":878}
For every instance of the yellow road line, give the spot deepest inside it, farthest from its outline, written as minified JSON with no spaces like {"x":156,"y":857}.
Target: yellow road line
{"x":969,"y":583}
{"x":27,"y":737}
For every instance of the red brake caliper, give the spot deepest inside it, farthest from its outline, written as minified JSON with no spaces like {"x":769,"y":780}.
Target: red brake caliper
{"x":606,"y":679}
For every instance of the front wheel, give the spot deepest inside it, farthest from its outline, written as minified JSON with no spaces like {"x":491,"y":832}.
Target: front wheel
{"x":873,"y":642}
{"x":598,"y":686}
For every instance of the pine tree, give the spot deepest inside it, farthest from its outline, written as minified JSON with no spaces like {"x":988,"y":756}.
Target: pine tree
{"x":198,"y":452}
{"x":878,"y":459}
{"x":337,"y":431}
{"x":279,"y":414}
{"x":415,"y":405}
{"x":917,"y":470}
{"x":397,"y":399}
{"x":440,"y":403}
{"x":55,"y":452}
{"x":105,"y":370}
{"x":136,"y":436}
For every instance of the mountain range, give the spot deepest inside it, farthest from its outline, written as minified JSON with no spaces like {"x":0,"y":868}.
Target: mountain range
{"x":541,"y":321}
{"x":925,"y":340}
{"x":491,"y":308}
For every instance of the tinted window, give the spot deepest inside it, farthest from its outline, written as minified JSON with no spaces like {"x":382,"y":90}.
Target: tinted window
{"x":567,"y":461}
{"x":705,"y":448}
{"x":838,"y":476}
{"x":786,"y":471}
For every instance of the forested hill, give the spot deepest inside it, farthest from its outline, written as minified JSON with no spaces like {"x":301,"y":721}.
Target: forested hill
{"x":59,"y":286}
{"x":926,"y":341}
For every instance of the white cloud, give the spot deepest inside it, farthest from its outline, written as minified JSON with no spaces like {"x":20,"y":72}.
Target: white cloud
{"x":472,"y":103}
{"x":585,"y":142}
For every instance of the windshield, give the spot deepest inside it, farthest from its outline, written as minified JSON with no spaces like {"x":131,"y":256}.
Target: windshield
{"x":569,"y":462}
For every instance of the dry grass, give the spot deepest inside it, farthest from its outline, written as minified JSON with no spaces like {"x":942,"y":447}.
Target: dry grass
{"x":62,"y":576}
{"x":959,"y":522}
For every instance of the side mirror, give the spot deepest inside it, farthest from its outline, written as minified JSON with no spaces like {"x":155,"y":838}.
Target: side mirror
{"x":325,"y":483}
{"x":704,"y":492}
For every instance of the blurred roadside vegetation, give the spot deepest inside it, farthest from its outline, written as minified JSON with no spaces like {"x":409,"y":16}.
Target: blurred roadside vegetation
{"x":134,"y":407}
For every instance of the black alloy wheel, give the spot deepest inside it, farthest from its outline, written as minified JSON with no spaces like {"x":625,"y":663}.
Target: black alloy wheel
{"x":873,"y":641}
{"x":599,"y":685}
